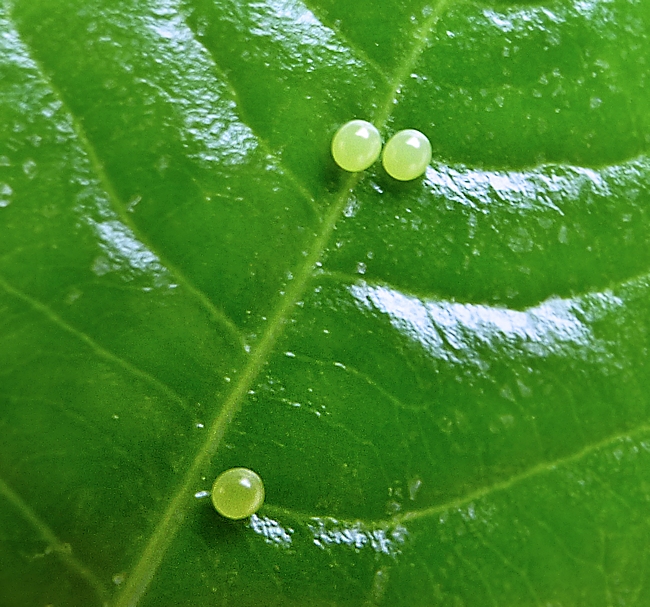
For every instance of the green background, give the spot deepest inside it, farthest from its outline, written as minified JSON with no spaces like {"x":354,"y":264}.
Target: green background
{"x":444,"y":384}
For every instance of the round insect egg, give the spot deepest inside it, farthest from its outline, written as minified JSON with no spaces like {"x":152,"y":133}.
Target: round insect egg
{"x":407,"y":155}
{"x":237,"y":493}
{"x":356,"y":145}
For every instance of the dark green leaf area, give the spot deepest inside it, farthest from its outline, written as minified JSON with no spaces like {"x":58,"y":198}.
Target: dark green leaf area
{"x":109,"y":364}
{"x":89,"y":274}
{"x":512,"y":87}
{"x":78,"y":451}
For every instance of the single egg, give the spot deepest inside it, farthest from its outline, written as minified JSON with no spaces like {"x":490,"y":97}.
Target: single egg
{"x":356,"y":145}
{"x":407,"y":155}
{"x":237,"y":493}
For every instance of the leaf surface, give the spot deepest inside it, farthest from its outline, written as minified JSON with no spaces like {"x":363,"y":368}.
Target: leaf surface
{"x":443,"y":383}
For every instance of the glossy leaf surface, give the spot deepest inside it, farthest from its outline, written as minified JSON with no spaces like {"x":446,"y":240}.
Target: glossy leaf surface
{"x":444,"y":384}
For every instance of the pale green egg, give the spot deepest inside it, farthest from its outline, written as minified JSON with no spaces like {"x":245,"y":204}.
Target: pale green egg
{"x":237,"y":493}
{"x":356,"y":145}
{"x":407,"y":155}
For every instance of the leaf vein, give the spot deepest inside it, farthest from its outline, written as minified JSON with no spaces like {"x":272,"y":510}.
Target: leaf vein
{"x":422,"y":39}
{"x":179,"y":504}
{"x":351,"y":45}
{"x":59,"y":548}
{"x":87,"y":425}
{"x":261,"y":140}
{"x":534,"y":471}
{"x":347,"y":368}
{"x":488,"y":490}
{"x":96,"y":347}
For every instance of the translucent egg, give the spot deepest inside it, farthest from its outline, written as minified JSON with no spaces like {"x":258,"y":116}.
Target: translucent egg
{"x":356,"y":145}
{"x":237,"y":493}
{"x":407,"y":155}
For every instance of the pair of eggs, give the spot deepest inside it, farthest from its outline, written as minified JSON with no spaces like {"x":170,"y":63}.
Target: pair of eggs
{"x":357,"y":144}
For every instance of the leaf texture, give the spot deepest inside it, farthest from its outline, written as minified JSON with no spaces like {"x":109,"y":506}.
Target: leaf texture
{"x":443,"y":383}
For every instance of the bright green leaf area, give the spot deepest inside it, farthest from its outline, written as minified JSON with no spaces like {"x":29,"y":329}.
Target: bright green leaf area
{"x":444,"y":384}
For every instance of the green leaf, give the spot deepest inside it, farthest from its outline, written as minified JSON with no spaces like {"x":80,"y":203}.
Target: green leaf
{"x":444,"y":384}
